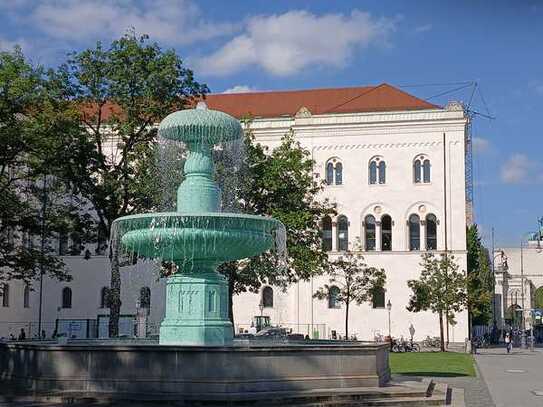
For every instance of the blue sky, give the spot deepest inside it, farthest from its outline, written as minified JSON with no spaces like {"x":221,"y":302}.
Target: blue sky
{"x":265,"y":45}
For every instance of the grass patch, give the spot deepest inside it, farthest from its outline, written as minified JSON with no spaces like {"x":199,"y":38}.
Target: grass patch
{"x":445,"y":364}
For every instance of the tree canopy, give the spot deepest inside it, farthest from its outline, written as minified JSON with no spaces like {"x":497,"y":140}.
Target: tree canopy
{"x":441,"y":288}
{"x":351,"y":280}
{"x":121,"y":92}
{"x":35,"y":124}
{"x":279,"y":182}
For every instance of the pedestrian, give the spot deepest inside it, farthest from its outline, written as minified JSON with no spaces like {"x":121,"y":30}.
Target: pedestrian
{"x":22,"y":335}
{"x":43,"y":335}
{"x":508,"y":342}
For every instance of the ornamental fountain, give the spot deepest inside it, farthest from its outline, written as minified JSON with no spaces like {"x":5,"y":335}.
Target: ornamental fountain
{"x":196,"y":359}
{"x":198,"y":236}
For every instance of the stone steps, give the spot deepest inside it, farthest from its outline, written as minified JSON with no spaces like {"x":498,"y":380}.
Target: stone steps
{"x":397,"y":394}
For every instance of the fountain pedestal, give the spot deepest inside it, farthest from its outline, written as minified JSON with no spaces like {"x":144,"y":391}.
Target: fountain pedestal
{"x":196,"y":310}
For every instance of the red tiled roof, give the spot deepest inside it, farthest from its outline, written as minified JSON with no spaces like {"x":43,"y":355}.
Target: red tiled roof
{"x":319,"y":101}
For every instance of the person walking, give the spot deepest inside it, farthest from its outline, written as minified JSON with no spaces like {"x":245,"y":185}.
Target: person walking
{"x":508,"y":342}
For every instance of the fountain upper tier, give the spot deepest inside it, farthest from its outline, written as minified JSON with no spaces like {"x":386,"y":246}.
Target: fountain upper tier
{"x":198,"y":231}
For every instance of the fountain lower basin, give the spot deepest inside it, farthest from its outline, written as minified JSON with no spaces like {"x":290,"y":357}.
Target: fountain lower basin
{"x":213,"y":237}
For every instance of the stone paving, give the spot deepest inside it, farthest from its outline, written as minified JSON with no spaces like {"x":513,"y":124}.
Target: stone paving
{"x":515,"y":379}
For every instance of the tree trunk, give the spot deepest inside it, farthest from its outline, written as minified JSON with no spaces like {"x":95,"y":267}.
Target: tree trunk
{"x":114,"y":293}
{"x":441,"y":338}
{"x":347,"y":321}
{"x":447,"y":330}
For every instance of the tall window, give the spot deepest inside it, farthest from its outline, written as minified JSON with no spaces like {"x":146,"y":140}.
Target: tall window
{"x":104,"y":293}
{"x":421,"y":170}
{"x":333,"y":294}
{"x":378,"y":298}
{"x":267,"y":297}
{"x":5,"y":295}
{"x":339,"y":174}
{"x":414,"y":232}
{"x":66,"y":297}
{"x":431,"y":232}
{"x":369,"y":232}
{"x":377,"y":171}
{"x":386,"y":233}
{"x":342,"y":233}
{"x":330,"y":173}
{"x":145,"y":297}
{"x":334,"y":172}
{"x":26,"y":297}
{"x":327,"y":233}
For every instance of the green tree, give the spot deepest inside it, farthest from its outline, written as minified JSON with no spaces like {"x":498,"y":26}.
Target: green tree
{"x":351,"y":281}
{"x":480,"y":279}
{"x":441,"y":289}
{"x":35,"y":122}
{"x":280,"y":183}
{"x":122,"y":92}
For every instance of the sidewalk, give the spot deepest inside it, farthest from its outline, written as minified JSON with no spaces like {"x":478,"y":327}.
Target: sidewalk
{"x":514,"y":379}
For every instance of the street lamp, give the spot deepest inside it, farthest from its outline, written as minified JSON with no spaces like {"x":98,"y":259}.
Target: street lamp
{"x":261,"y":308}
{"x":389,"y":308}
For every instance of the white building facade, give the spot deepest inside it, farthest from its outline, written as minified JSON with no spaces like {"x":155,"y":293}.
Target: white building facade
{"x":395,"y":167}
{"x":519,"y":287}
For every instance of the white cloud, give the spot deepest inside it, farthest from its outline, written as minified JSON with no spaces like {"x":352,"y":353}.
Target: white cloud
{"x":520,"y":169}
{"x":480,"y":145}
{"x":287,"y":43}
{"x":168,"y":21}
{"x":240,"y":89}
{"x":423,"y":28}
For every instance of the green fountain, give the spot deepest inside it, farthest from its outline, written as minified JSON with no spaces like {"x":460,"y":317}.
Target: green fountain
{"x":198,"y":237}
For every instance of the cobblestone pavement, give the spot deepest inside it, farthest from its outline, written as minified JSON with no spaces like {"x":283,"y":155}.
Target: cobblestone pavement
{"x":514,"y":380}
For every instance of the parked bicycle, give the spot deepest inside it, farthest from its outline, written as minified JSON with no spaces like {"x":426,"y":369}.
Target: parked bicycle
{"x":401,"y":345}
{"x":434,"y":342}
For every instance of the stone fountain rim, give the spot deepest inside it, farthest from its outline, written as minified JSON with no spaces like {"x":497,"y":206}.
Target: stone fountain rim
{"x":222,"y":215}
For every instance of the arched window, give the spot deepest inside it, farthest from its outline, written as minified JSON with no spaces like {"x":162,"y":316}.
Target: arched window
{"x":334,"y":172}
{"x":386,"y":233}
{"x":373,"y":172}
{"x":426,"y":171}
{"x":342,"y":233}
{"x":339,"y":174}
{"x":333,"y":294}
{"x":145,"y":297}
{"x":421,"y":170}
{"x":330,"y":173}
{"x":414,"y":232}
{"x":26,"y":297}
{"x":5,"y":295}
{"x":377,"y":171}
{"x":431,"y":232}
{"x":267,"y":297}
{"x":104,"y":293}
{"x":378,"y":298}
{"x":382,"y":172}
{"x":538,"y":295}
{"x":369,"y":232}
{"x":327,"y":233}
{"x":66,"y":297}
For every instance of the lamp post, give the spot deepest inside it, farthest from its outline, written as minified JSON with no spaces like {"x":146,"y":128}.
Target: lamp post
{"x":261,"y":308}
{"x":389,"y":308}
{"x":523,"y":320}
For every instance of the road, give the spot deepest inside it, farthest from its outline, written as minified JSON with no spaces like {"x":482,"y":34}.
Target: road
{"x":513,"y":380}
